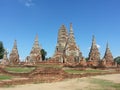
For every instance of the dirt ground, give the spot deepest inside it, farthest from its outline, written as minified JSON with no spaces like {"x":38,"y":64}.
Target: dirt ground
{"x":71,"y":84}
{"x":113,"y":77}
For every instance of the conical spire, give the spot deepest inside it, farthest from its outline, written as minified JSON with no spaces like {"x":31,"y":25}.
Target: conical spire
{"x":108,"y":58}
{"x":36,"y":38}
{"x":35,"y":53}
{"x":14,"y":56}
{"x":62,"y":35}
{"x":93,"y":41}
{"x":15,"y":45}
{"x":108,"y":53}
{"x":36,"y":42}
{"x":107,"y":47}
{"x":71,"y":35}
{"x":71,"y":28}
{"x":72,"y":48}
{"x":94,"y":45}
{"x":94,"y":54}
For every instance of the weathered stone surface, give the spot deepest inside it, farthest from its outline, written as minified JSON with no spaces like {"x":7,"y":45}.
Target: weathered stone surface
{"x":61,"y":42}
{"x":83,"y":62}
{"x":5,"y":60}
{"x":66,"y":49}
{"x":108,"y":60}
{"x":72,"y":49}
{"x":35,"y":54}
{"x":94,"y":55}
{"x":28,"y":61}
{"x":14,"y":56}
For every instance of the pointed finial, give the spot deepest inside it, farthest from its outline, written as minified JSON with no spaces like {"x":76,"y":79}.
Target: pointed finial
{"x":107,"y":45}
{"x":107,"y":49}
{"x":15,"y":44}
{"x":70,"y":24}
{"x":93,"y":39}
{"x":71,"y":29}
{"x":36,"y":38}
{"x":62,"y":27}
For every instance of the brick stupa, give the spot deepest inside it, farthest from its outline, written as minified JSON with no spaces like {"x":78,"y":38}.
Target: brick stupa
{"x":94,"y":55}
{"x":14,"y":56}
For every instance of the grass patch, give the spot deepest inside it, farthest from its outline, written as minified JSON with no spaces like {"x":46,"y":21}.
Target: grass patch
{"x":49,"y":65}
{"x":72,"y":71}
{"x":19,"y":69}
{"x":105,"y":85}
{"x":5,"y":77}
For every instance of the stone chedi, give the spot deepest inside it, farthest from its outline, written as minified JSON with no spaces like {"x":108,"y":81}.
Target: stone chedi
{"x":72,"y":49}
{"x":94,"y":55}
{"x":66,"y":49}
{"x":14,"y":56}
{"x":5,"y":60}
{"x":35,"y":54}
{"x":61,"y":41}
{"x":107,"y":60}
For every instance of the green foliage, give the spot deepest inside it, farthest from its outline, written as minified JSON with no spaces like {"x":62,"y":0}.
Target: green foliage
{"x":43,"y":54}
{"x":4,"y":77}
{"x":19,"y":69}
{"x":86,"y":58}
{"x":49,"y":66}
{"x":117,"y":59}
{"x":1,"y":50}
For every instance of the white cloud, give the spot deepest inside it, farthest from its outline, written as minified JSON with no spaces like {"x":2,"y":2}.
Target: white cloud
{"x":98,"y":46}
{"x":27,"y":3}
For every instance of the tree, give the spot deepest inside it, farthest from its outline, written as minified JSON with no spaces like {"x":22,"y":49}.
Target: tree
{"x":43,"y":54}
{"x":1,"y":50}
{"x":86,"y":58}
{"x":117,"y":59}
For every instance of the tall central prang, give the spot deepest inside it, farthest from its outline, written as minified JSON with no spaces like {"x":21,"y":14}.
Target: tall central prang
{"x":66,"y":49}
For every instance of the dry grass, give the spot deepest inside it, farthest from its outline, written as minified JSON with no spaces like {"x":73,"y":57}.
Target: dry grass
{"x":19,"y":69}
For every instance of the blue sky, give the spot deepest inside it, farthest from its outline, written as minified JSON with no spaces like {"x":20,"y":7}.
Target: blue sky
{"x":23,"y":19}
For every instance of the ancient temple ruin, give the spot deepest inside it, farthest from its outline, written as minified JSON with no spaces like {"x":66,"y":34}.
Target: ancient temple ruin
{"x":35,"y":54}
{"x":5,"y":60}
{"x":61,"y":42}
{"x":66,"y":49}
{"x":14,"y":56}
{"x":94,"y":55}
{"x":108,"y":60}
